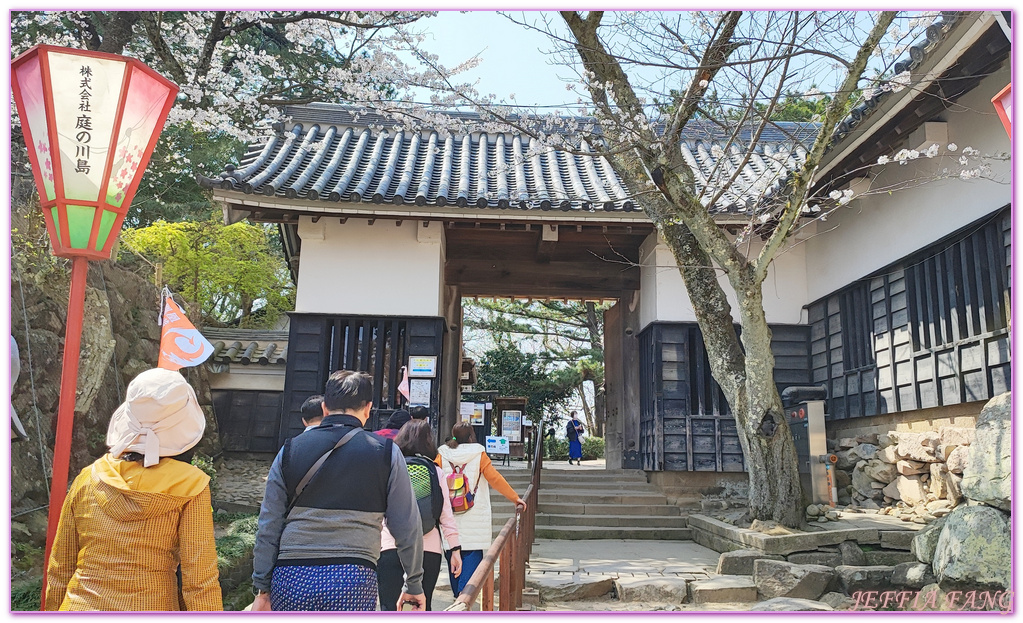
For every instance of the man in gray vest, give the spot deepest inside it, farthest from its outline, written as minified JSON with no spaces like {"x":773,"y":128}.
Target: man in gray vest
{"x":318,"y":538}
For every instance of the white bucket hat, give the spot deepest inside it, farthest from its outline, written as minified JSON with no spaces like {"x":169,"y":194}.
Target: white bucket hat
{"x":159,"y":417}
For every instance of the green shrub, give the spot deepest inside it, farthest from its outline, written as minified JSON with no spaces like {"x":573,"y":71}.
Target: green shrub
{"x":25,"y":595}
{"x":205,"y":463}
{"x":593,"y":448}
{"x":237,"y":542}
{"x":557,"y":449}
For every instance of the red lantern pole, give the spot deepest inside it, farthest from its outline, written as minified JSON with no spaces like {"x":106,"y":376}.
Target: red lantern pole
{"x":66,"y":407}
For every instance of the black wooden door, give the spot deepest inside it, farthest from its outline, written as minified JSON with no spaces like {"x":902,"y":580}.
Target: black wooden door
{"x":248,"y":420}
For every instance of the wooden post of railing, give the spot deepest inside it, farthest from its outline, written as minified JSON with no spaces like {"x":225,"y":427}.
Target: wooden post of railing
{"x":506,"y":582}
{"x":487,"y":604}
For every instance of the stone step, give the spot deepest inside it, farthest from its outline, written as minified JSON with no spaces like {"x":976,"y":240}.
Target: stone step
{"x":580,"y":475}
{"x":506,"y":508}
{"x":587,"y":485}
{"x":611,"y":521}
{"x":604,"y":497}
{"x":723,"y":589}
{"x":590,"y":532}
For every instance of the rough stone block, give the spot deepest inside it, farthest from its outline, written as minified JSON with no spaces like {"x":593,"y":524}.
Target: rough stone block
{"x":954,"y":486}
{"x":909,"y":489}
{"x":846,"y":459}
{"x":838,"y":601}
{"x":790,"y":604}
{"x":851,"y":553}
{"x":672,"y":590}
{"x":912,"y":575}
{"x":866,"y":578}
{"x":917,"y":447}
{"x":880,"y":471}
{"x":974,"y":548}
{"x":724,"y":589}
{"x":740,"y":562}
{"x":889,"y":454}
{"x":888,"y":557}
{"x":842,"y":478}
{"x":937,"y":486}
{"x":568,"y":588}
{"x":870,"y":438}
{"x":828,"y":559}
{"x":784,"y":579}
{"x":956,"y":436}
{"x":926,"y":540}
{"x":987,"y":476}
{"x":911,"y":468}
{"x":897,"y":539}
{"x":957,"y":459}
{"x":866,"y":451}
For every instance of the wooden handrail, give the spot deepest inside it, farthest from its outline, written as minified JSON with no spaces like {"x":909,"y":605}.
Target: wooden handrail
{"x":512,"y":548}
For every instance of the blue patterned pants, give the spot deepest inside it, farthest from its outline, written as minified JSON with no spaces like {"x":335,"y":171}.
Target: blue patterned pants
{"x":324,"y":588}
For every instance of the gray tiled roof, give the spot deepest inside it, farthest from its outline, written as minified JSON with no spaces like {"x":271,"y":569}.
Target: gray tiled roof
{"x":920,"y":49}
{"x":245,"y":346}
{"x":338,"y":153}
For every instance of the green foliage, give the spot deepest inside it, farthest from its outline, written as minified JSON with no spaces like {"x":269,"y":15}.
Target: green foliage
{"x":237,"y":541}
{"x":168,"y":191}
{"x":238,"y":598}
{"x":205,"y":463}
{"x":232,"y":272}
{"x":26,"y":556}
{"x":25,"y":595}
{"x":593,"y":448}
{"x":511,"y":372}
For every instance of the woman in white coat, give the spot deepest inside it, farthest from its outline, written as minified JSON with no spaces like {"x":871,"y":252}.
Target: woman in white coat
{"x":474,"y":525}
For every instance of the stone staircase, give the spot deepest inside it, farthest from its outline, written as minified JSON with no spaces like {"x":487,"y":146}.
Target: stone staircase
{"x":596,"y":504}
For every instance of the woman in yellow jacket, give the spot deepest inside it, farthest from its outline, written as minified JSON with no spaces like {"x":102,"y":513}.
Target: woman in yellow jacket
{"x":136,"y":513}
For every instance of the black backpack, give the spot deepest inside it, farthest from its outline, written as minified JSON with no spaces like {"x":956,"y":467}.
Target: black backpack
{"x":426,"y":487}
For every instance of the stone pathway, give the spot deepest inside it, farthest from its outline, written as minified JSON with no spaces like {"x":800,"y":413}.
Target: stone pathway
{"x":240,"y":483}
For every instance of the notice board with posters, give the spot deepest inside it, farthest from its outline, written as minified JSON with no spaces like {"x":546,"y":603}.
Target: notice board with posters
{"x":509,"y":413}
{"x":511,"y":424}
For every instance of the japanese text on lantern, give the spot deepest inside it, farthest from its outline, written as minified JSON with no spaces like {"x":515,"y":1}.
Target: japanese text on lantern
{"x":84,"y":122}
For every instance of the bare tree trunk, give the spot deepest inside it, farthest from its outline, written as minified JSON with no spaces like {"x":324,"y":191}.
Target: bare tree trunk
{"x":118,"y":31}
{"x":596,"y":330}
{"x":775,"y":491}
{"x":587,"y":410}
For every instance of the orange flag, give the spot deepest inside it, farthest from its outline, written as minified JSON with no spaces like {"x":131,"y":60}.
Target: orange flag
{"x":181,"y":344}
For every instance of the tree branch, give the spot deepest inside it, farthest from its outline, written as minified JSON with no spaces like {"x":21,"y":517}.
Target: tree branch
{"x":151,"y":23}
{"x":119,"y":31}
{"x":801,"y":180}
{"x":714,"y":58}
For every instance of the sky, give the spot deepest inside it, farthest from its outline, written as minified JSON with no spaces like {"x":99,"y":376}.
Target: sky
{"x":513,"y":57}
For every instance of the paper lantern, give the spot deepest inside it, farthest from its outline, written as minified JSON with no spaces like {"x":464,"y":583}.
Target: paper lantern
{"x":90,"y":122}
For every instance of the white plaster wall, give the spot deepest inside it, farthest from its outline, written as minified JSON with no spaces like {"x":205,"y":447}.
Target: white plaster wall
{"x":379,"y":269}
{"x":254,"y":378}
{"x":664,"y":297}
{"x":877,"y":230}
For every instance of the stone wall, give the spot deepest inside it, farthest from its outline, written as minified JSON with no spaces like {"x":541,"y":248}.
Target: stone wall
{"x":918,"y":474}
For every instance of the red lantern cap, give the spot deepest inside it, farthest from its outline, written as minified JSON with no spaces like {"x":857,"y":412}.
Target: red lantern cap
{"x":90,"y":121}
